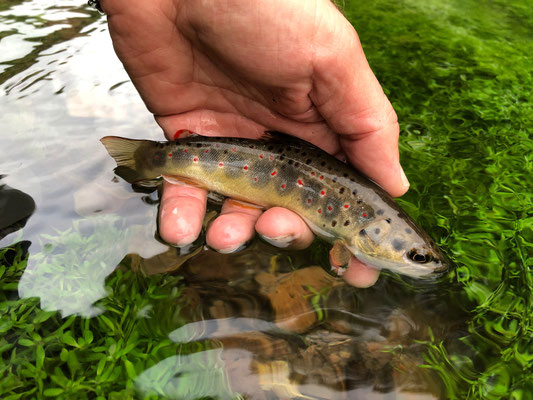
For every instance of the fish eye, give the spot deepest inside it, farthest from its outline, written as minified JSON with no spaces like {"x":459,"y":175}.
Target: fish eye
{"x":418,"y":257}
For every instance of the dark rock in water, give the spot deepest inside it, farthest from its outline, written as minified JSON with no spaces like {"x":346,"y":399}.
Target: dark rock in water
{"x":16,"y":208}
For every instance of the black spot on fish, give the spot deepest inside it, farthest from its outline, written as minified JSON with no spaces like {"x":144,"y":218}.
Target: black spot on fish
{"x":377,"y":231}
{"x":225,"y":152}
{"x":345,"y":175}
{"x":380,"y":212}
{"x":158,"y":158}
{"x":335,"y":179}
{"x":397,"y":244}
{"x":282,"y":157}
{"x":290,"y":162}
{"x":354,"y":192}
{"x":359,"y":201}
{"x":341,"y":190}
{"x":308,"y":161}
{"x":408,"y":230}
{"x":270,"y":148}
{"x":362,"y":232}
{"x":323,"y":163}
{"x":333,"y":223}
{"x":198,"y":144}
{"x":261,"y":173}
{"x":297,"y":151}
{"x":180,"y":157}
{"x":296,"y":164}
{"x":304,"y":154}
{"x":388,"y":220}
{"x":346,"y":223}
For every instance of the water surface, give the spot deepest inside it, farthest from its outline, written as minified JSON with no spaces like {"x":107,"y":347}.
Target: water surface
{"x":94,"y":306}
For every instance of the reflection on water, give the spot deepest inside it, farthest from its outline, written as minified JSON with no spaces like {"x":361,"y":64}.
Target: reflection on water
{"x":265,"y":323}
{"x":55,"y":105}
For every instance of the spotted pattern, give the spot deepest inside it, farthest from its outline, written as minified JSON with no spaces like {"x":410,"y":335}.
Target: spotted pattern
{"x":300,"y":175}
{"x":159,"y":158}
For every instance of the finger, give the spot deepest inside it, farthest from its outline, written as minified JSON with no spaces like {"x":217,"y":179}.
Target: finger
{"x":359,"y":274}
{"x":352,"y":102}
{"x":284,"y":228}
{"x":210,"y":123}
{"x":181,"y":213}
{"x":233,"y":227}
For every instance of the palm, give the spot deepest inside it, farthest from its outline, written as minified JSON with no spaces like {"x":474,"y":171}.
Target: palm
{"x":237,"y":67}
{"x":241,"y":85}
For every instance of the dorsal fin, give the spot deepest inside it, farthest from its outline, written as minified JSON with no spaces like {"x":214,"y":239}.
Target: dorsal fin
{"x":280,"y":137}
{"x":276,"y":136}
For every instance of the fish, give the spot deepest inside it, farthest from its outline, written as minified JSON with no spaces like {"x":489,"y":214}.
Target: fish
{"x":338,"y":203}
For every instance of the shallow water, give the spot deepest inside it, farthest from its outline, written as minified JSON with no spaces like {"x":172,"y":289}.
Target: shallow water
{"x":264,"y":323}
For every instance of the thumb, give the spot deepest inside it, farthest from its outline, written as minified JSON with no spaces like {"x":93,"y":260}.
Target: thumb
{"x":351,"y":100}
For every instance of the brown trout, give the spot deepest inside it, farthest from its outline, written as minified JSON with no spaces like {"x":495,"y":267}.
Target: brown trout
{"x":339,"y":204}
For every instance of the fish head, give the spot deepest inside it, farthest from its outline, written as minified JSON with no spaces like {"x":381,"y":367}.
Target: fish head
{"x":399,"y":246}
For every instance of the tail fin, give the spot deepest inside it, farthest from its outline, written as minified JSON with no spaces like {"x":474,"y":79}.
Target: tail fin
{"x":122,"y":149}
{"x":123,"y":152}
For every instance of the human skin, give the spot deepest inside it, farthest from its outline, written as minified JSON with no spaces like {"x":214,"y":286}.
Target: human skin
{"x":240,"y":67}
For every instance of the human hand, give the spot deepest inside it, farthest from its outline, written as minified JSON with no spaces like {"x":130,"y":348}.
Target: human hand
{"x":238,"y":68}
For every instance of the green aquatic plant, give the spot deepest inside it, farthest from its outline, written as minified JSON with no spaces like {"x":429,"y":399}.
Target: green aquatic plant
{"x":43,"y":355}
{"x":460,"y":79}
{"x":68,"y":274}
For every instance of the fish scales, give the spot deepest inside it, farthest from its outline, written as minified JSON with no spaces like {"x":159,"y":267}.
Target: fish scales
{"x":337,"y":202}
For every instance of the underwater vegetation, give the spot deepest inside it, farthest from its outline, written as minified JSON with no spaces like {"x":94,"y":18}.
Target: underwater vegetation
{"x":460,"y":76}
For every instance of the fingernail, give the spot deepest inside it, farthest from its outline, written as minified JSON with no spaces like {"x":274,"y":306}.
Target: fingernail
{"x":279,"y":241}
{"x":338,"y":270}
{"x":182,"y":133}
{"x":233,"y":249}
{"x":405,"y":181}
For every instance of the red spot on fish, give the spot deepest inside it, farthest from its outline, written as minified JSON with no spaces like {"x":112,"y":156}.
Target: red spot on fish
{"x":300,"y":183}
{"x":309,"y":201}
{"x":319,"y":211}
{"x":330,"y":208}
{"x":255,"y":179}
{"x":170,"y":154}
{"x":313,"y":173}
{"x":234,"y":149}
{"x":283,"y":186}
{"x":260,"y":156}
{"x":322,"y":192}
{"x":221,"y":164}
{"x":185,"y":151}
{"x":321,"y":177}
{"x":207,"y":151}
{"x":195,"y":159}
{"x":274,"y":173}
{"x":346,"y":206}
{"x":364,"y":215}
{"x":245,"y":167}
{"x":271,"y":158}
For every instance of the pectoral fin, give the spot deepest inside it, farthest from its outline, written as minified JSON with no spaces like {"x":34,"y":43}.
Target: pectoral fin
{"x":339,"y":255}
